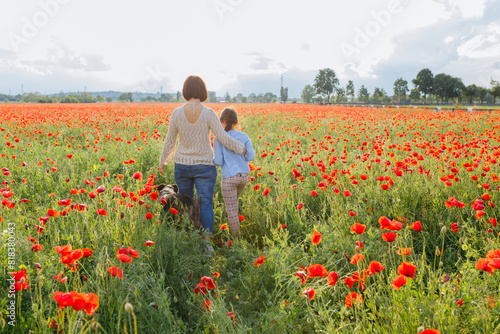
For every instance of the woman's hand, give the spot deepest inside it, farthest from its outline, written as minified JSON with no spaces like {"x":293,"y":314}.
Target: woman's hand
{"x":161,"y":170}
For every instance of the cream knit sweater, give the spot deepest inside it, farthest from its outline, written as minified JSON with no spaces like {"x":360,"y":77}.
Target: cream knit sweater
{"x":194,"y":139}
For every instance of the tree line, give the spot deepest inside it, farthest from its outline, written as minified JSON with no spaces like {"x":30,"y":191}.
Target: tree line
{"x":427,"y":87}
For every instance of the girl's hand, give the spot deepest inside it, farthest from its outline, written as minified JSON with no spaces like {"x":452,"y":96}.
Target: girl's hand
{"x":161,"y":170}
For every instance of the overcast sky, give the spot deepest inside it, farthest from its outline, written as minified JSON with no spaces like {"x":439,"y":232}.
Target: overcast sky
{"x":242,"y":46}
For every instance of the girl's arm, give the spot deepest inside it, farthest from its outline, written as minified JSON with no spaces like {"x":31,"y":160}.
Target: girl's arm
{"x":250,"y":152}
{"x":219,"y":155}
{"x":169,"y":144}
{"x":225,"y":139}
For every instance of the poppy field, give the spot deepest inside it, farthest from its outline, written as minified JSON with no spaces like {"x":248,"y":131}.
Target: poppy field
{"x":354,"y":220}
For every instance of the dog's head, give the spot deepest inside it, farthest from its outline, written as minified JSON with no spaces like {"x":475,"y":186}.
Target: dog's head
{"x":167,"y":189}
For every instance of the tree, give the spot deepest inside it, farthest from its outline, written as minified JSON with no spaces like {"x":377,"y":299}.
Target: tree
{"x":308,"y":94}
{"x":268,"y":97}
{"x":284,"y":94}
{"x":363,"y":94}
{"x":340,"y":95}
{"x":227,"y":97}
{"x":415,"y":95}
{"x":178,"y":96}
{"x":326,"y":82}
{"x":495,"y":90}
{"x":244,"y":99}
{"x":400,"y":88}
{"x":448,"y":87}
{"x":470,"y":93}
{"x":212,"y":98}
{"x":481,"y":94}
{"x":378,"y":94}
{"x":100,"y":98}
{"x":424,"y":82}
{"x":349,"y":90}
{"x":126,"y":97}
{"x":109,"y":99}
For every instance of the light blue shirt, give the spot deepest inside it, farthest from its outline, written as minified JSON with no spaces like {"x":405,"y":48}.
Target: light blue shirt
{"x":233,"y":163}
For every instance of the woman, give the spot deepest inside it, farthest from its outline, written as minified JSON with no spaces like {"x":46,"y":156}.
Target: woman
{"x":194,"y":157}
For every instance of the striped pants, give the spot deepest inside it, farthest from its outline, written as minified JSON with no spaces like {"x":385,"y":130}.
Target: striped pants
{"x":232,"y":187}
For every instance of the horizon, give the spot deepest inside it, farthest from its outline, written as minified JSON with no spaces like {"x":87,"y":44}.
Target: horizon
{"x":247,"y":49}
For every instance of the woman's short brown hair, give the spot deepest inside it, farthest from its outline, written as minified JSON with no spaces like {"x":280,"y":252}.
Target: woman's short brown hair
{"x":195,"y":88}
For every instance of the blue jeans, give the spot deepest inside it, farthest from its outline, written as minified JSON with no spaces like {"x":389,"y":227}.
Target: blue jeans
{"x":203,"y":177}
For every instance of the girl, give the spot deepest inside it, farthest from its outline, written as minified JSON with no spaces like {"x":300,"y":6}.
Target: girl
{"x":234,"y":168}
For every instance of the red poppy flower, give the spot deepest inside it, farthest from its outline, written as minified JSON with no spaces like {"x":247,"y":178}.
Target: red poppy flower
{"x":356,"y":258}
{"x":200,"y":289}
{"x":124,"y":258}
{"x":102,"y":212}
{"x":208,"y":281}
{"x":241,"y":217}
{"x":347,"y":193}
{"x":302,"y":275}
{"x":358,"y":228}
{"x":299,"y":206}
{"x":431,"y":331}
{"x":259,"y":261}
{"x":137,"y":176}
{"x":216,"y":274}
{"x":266,"y":192}
{"x":149,"y":215}
{"x":256,"y":187}
{"x":87,"y":252}
{"x":389,"y":237}
{"x":317,"y":270}
{"x":231,"y":315}
{"x":63,"y":249}
{"x":375,"y":267}
{"x":174,"y":211}
{"x":493,"y":221}
{"x":407,"y":269}
{"x":484,"y":264}
{"x":493,"y":254}
{"x":352,"y":214}
{"x":63,"y":299}
{"x":332,"y":278}
{"x":115,"y":271}
{"x":207,"y":304}
{"x":149,"y":243}
{"x":316,"y":238}
{"x":284,"y":226}
{"x":309,"y":293}
{"x":417,"y":226}
{"x":404,"y":251}
{"x":314,"y":193}
{"x":398,"y":282}
{"x":454,"y":227}
{"x":36,"y":247}
{"x":52,"y":213}
{"x":460,"y":302}
{"x":153,"y":196}
{"x":353,"y":296}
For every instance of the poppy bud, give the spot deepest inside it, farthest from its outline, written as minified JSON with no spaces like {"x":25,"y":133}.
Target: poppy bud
{"x":129,"y":308}
{"x":443,"y":230}
{"x":38,"y":266}
{"x":26,"y":226}
{"x":420,"y":329}
{"x":23,"y":280}
{"x":441,"y":264}
{"x":122,"y":215}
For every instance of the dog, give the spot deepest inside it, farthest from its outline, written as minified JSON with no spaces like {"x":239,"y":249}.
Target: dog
{"x":183,"y":203}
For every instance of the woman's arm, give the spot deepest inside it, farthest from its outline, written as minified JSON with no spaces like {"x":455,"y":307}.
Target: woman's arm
{"x":225,"y":139}
{"x":219,"y":154}
{"x":169,"y":144}
{"x":250,"y":152}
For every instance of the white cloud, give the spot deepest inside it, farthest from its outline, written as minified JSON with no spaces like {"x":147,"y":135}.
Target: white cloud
{"x":116,"y":44}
